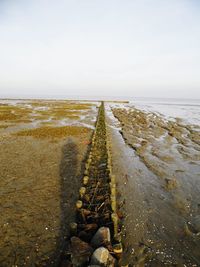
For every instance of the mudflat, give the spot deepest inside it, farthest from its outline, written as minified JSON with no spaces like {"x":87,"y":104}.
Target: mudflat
{"x":157,"y":165}
{"x":43,"y":145}
{"x":156,"y":161}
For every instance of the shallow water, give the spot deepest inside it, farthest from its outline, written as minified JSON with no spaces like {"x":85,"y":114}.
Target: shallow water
{"x":186,"y":110}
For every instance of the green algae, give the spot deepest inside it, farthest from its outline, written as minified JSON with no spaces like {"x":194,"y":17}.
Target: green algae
{"x":54,"y":132}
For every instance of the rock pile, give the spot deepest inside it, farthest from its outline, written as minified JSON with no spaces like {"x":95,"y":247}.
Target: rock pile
{"x":95,"y":235}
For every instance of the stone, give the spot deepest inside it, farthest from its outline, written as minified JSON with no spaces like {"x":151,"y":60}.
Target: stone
{"x":101,"y":238}
{"x":89,"y":227}
{"x":102,"y":257}
{"x":80,"y":251}
{"x":194,"y":225}
{"x":85,"y":180}
{"x":85,"y":236}
{"x":117,"y":249}
{"x":170,"y":184}
{"x":79,"y":204}
{"x":82,"y":191}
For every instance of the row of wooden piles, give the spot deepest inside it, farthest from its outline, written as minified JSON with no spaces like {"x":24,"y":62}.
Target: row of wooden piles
{"x":96,"y":208}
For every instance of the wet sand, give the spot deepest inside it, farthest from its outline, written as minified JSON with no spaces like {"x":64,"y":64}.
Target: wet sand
{"x":157,"y":166}
{"x":40,"y":178}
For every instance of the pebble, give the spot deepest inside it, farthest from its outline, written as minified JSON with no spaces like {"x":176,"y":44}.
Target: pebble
{"x":194,"y":225}
{"x":170,"y":183}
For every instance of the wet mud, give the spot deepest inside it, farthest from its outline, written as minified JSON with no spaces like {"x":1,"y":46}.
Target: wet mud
{"x":40,"y":173}
{"x":43,"y":151}
{"x":159,"y":187}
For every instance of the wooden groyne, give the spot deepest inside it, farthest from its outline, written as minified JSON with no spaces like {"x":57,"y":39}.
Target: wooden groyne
{"x":95,"y":235}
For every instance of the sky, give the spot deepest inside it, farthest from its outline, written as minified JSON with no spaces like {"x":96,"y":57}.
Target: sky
{"x":115,"y":48}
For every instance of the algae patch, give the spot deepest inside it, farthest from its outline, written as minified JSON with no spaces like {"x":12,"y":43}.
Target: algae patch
{"x":54,"y":132}
{"x":13,"y":113}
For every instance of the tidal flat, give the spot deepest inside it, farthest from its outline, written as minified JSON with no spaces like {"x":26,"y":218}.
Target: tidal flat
{"x":42,"y":149}
{"x":157,"y":164}
{"x":156,"y":161}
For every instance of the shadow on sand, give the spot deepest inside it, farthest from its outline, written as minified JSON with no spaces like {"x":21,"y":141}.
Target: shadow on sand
{"x":69,"y":184}
{"x":70,"y":172}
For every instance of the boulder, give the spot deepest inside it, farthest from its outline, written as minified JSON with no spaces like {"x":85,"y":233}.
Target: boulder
{"x":85,"y":236}
{"x":80,"y":251}
{"x":102,"y":257}
{"x":101,"y":238}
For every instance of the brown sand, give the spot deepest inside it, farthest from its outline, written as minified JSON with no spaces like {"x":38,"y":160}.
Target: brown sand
{"x":40,"y":176}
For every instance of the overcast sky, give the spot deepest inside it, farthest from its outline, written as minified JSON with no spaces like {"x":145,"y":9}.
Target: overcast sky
{"x":100,"y":48}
